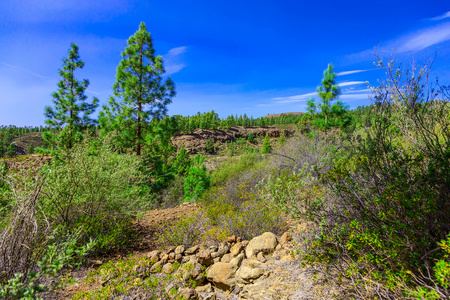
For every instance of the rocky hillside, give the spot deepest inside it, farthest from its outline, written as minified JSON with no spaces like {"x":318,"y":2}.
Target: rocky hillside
{"x":195,"y":142}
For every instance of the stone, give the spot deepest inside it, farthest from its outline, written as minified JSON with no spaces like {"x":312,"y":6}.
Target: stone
{"x":285,"y":238}
{"x":192,"y":250}
{"x":171,"y":256}
{"x":217,"y":259}
{"x":156,"y":267}
{"x":226,"y":258}
{"x":249,"y":271}
{"x":223,"y":248}
{"x":286,"y":258}
{"x":213,"y":248}
{"x":264,"y":243}
{"x":278,"y":247}
{"x":222,"y":275}
{"x":245,"y":243}
{"x":238,"y":239}
{"x":231,"y":239}
{"x":188,"y":293}
{"x":164,"y":259}
{"x":260,"y":257}
{"x":193,"y":272}
{"x":210,"y":296}
{"x":236,"y":249}
{"x":204,"y":257}
{"x":214,"y":254}
{"x":178,"y":257}
{"x":204,"y":288}
{"x":154,"y":254}
{"x":167,"y":268}
{"x":179,"y":250}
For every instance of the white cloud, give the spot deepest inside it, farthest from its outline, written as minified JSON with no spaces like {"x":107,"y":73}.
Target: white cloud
{"x":177,"y":50}
{"x":446,"y":15}
{"x":296,"y":98}
{"x":350,"y":72}
{"x":173,"y":60}
{"x":425,"y":38}
{"x":349,"y":83}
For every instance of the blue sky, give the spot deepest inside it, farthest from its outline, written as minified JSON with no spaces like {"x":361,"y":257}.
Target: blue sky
{"x":253,"y":57}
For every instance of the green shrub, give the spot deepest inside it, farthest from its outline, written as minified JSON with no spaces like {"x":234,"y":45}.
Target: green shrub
{"x":209,"y":146}
{"x":251,"y":137}
{"x":266,"y":147}
{"x":197,"y":179}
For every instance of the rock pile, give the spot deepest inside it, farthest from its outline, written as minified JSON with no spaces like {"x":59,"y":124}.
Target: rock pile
{"x":227,"y":268}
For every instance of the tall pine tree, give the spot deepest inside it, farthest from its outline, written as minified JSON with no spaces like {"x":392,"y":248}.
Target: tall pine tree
{"x":140,"y":92}
{"x":71,"y":111}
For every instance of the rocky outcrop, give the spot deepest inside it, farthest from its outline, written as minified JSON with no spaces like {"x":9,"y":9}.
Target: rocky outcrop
{"x":230,"y":267}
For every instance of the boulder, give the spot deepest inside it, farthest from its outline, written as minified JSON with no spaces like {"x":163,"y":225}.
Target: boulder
{"x":249,"y":271}
{"x":222,"y":275}
{"x":192,"y":250}
{"x":264,"y":243}
{"x":285,"y":238}
{"x":226,"y":258}
{"x":167,"y":268}
{"x":204,"y":257}
{"x":236,"y":249}
{"x":179,"y":250}
{"x":193,"y":272}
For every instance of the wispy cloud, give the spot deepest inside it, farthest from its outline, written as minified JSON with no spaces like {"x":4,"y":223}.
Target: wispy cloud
{"x":295,"y":98}
{"x":349,"y":83}
{"x":26,"y":71}
{"x":438,"y":18}
{"x":173,"y":60}
{"x":408,"y":43}
{"x":351,"y":72}
{"x":425,"y":38}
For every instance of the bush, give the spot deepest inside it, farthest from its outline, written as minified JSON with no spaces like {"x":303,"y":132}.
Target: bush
{"x":266,"y":147}
{"x":391,"y":210}
{"x":209,"y":146}
{"x":197,"y":179}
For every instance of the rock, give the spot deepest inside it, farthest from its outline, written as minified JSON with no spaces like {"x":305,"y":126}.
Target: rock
{"x":260,"y":257}
{"x":204,"y":288}
{"x":156,"y":267}
{"x":222,"y":275}
{"x":285,"y":238}
{"x":286,"y":258}
{"x":223,"y":248}
{"x":231,"y":239}
{"x":226,"y":258}
{"x":245,"y":243}
{"x":217,"y":259}
{"x":278,"y":247}
{"x":171,"y":256}
{"x":249,"y":271}
{"x":264,"y":243}
{"x":179,"y":250}
{"x":236,"y":249}
{"x":167,"y":268}
{"x":213,"y":248}
{"x":214,"y":254}
{"x":154,"y":254}
{"x":192,"y":250}
{"x":164,"y":259}
{"x":193,"y":272}
{"x":170,"y":249}
{"x":178,"y":257}
{"x":238,"y":239}
{"x":210,"y":296}
{"x":204,"y":257}
{"x":188,"y":293}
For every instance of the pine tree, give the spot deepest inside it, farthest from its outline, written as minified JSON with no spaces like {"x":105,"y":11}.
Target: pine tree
{"x":328,"y":92}
{"x":70,"y":103}
{"x":266,"y":147}
{"x":140,"y":89}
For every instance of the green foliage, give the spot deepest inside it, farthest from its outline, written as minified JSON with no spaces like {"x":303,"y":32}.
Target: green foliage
{"x":282,"y":138}
{"x":95,"y":190}
{"x":251,"y":137}
{"x":197,"y":179}
{"x":141,"y":89}
{"x":209,"y":146}
{"x":69,"y":102}
{"x":182,"y":161}
{"x":233,"y":167}
{"x":187,"y":231}
{"x":266,"y":147}
{"x":58,"y":255}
